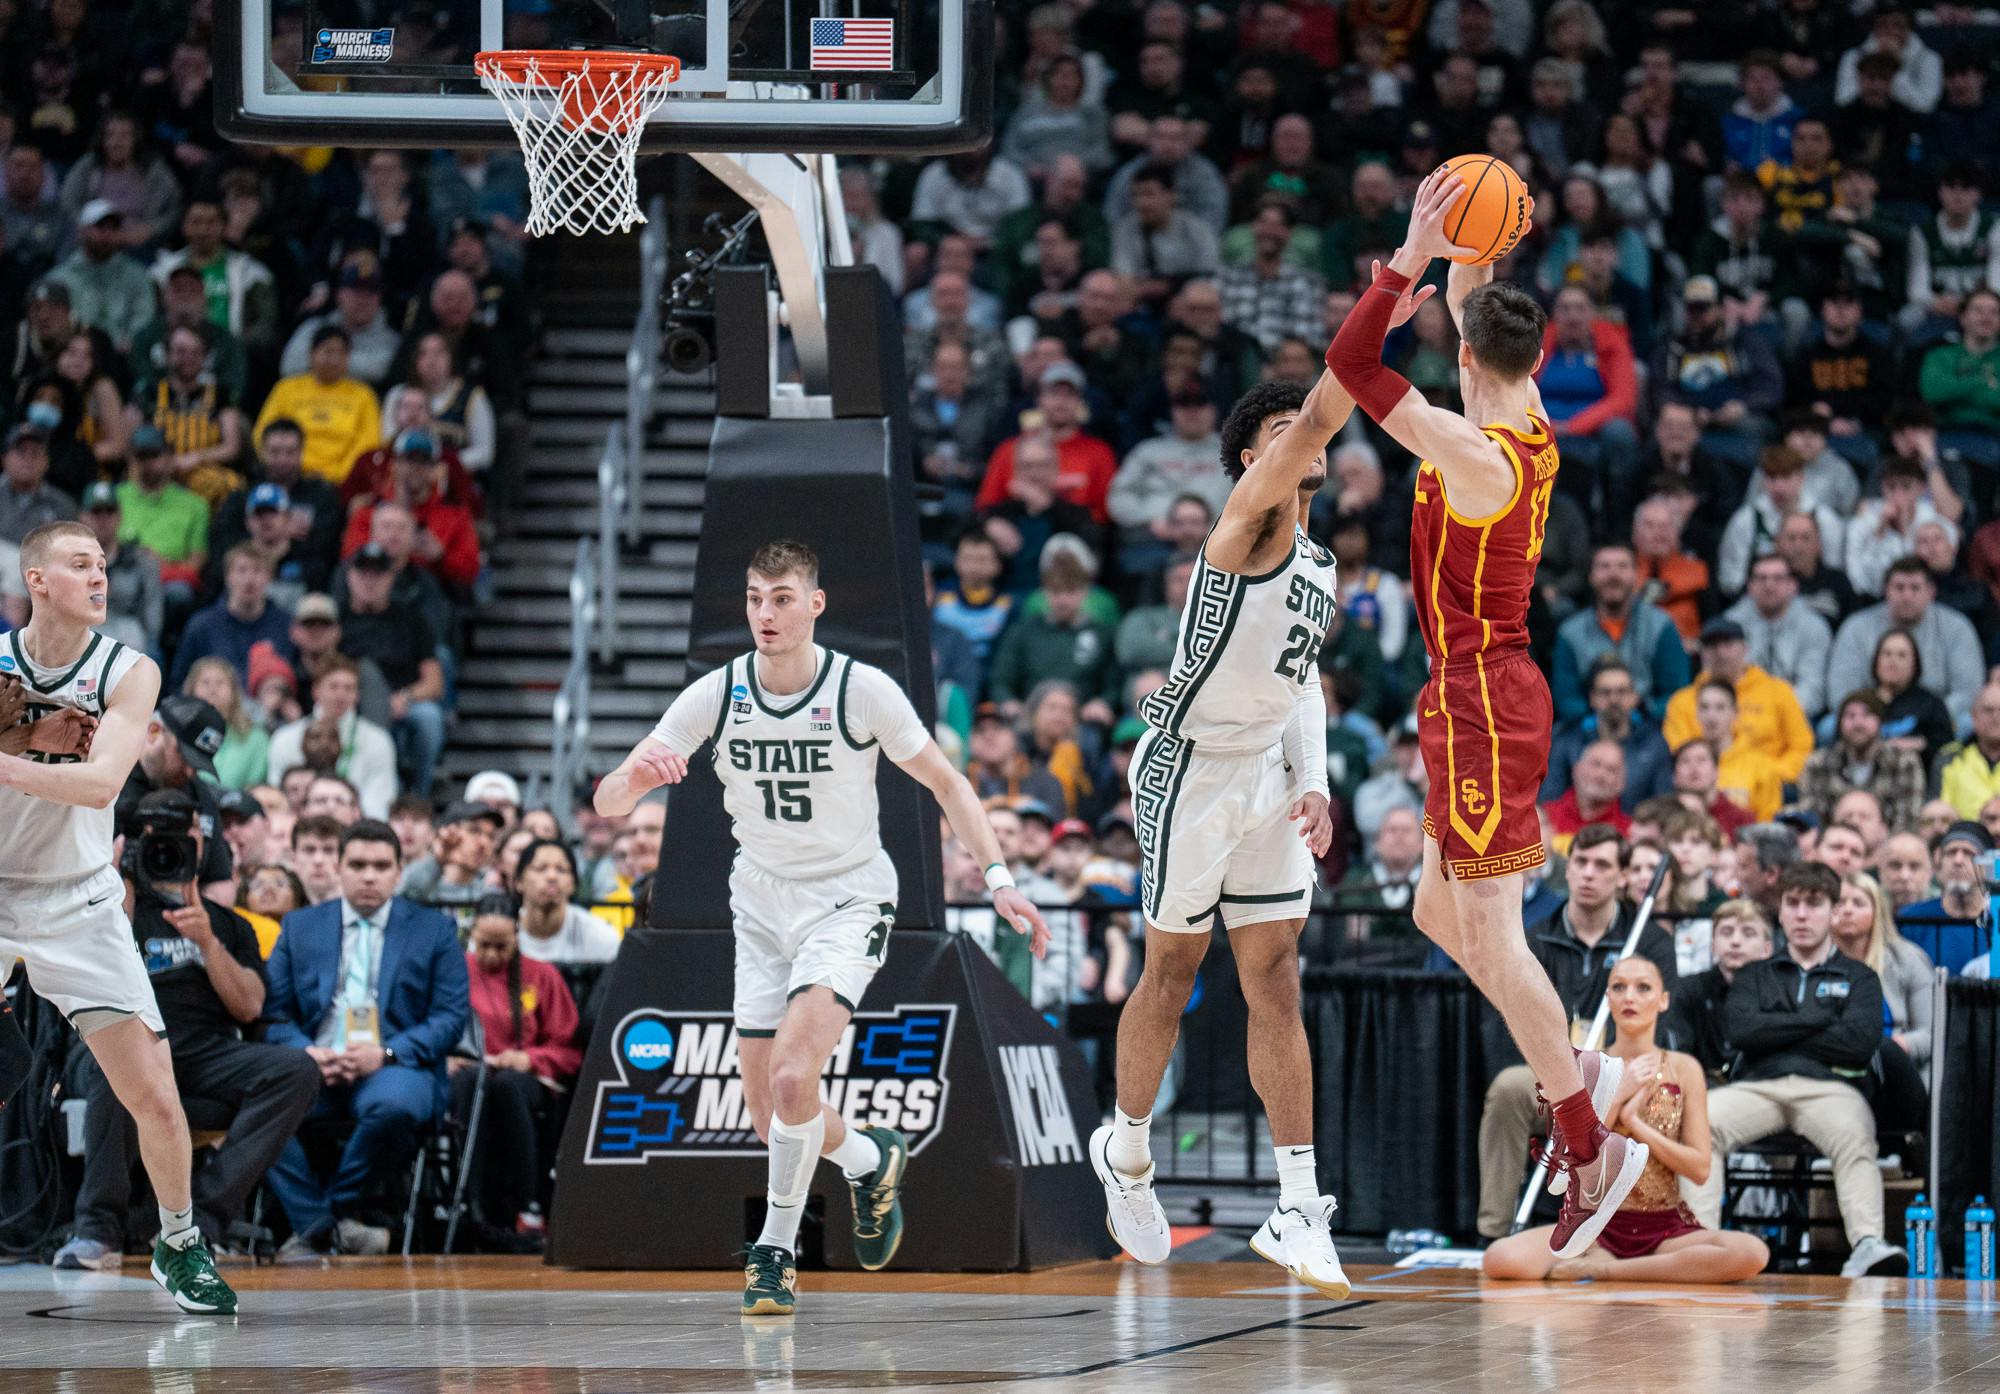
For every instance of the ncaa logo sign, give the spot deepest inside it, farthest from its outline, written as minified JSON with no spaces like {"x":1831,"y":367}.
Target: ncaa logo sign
{"x":679,"y":1085}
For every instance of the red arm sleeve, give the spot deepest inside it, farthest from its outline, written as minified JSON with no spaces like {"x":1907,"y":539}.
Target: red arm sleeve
{"x":1355,"y":356}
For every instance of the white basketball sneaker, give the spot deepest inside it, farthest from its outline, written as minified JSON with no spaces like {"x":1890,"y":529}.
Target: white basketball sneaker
{"x":1133,"y":1213}
{"x":1301,"y":1243}
{"x":1602,"y":1074}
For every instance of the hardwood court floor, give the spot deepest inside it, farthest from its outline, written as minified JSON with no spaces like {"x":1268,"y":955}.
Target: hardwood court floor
{"x":510,"y":1326}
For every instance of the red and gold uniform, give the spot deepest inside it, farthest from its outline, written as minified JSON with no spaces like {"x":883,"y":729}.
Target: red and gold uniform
{"x":1485,"y":716}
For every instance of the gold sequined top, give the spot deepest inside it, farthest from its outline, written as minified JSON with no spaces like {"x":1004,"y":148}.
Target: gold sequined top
{"x":1659,"y":1188}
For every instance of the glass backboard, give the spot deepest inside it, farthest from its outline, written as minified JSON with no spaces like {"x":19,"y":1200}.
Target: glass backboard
{"x":845,"y":76}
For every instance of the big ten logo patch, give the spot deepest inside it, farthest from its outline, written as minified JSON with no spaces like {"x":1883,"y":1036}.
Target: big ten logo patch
{"x":1042,"y":1118}
{"x":678,"y":1090}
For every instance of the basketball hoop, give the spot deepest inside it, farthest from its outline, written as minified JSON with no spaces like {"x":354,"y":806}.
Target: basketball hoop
{"x":580,"y":116}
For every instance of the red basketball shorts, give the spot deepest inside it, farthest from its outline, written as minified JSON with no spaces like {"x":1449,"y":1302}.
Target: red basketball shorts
{"x":1484,"y":724}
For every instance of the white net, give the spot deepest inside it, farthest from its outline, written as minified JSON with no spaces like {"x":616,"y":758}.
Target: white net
{"x":580,"y":118}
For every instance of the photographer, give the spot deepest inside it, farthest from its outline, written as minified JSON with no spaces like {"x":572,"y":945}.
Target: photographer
{"x":208,"y":978}
{"x":181,"y":743}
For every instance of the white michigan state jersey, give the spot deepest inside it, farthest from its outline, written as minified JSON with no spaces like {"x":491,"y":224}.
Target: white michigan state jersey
{"x":41,"y":840}
{"x":1247,"y":645}
{"x":798,"y":772}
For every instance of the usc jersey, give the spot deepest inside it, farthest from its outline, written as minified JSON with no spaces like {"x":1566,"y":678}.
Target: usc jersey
{"x":1473,"y":577}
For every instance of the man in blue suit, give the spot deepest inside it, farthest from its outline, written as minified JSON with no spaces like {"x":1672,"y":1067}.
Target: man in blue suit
{"x":373,"y":987}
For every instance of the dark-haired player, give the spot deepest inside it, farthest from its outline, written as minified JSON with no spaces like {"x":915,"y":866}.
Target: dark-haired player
{"x":1234,"y":755}
{"x":797,"y":730}
{"x":1482,"y":507}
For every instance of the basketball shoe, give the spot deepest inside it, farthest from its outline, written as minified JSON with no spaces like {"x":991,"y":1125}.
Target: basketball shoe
{"x":878,"y":1206}
{"x":1602,"y":1074}
{"x":1300,"y":1241}
{"x":1596,"y":1189}
{"x":1133,"y":1213}
{"x":770,"y":1282}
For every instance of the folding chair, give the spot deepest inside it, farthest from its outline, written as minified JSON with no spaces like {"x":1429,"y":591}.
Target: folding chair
{"x":444,"y":1164}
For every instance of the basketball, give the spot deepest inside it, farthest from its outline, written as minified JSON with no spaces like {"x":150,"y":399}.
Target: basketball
{"x":1494,"y":212}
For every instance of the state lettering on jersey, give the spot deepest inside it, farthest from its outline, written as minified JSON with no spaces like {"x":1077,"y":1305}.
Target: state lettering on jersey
{"x":679,"y":1085}
{"x":780,"y":756}
{"x":1314,"y":602}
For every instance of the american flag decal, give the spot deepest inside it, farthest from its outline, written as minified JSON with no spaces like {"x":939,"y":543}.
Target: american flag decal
{"x":822,"y":713}
{"x":853,"y":43}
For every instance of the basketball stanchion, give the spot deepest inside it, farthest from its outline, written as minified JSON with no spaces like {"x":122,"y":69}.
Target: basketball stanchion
{"x":1594,"y":1039}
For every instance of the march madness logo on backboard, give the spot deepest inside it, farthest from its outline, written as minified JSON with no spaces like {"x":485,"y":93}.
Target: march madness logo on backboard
{"x":679,"y":1090}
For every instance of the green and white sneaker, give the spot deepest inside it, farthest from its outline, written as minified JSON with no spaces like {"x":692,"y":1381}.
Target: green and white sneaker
{"x":770,"y":1282}
{"x":190,"y":1278}
{"x":878,"y":1205}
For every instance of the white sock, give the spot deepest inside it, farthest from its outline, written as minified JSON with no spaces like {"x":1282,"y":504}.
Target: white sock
{"x":1131,"y":1142}
{"x":794,"y":1153}
{"x":857,"y":1154}
{"x":1298,"y":1176}
{"x":177,"y":1227}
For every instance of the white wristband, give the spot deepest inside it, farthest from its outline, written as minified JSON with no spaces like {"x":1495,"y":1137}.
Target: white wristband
{"x":998,"y":878}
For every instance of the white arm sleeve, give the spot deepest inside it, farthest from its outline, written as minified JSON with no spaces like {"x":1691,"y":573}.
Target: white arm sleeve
{"x":876,"y":709}
{"x":1305,"y":739}
{"x":691,"y":722}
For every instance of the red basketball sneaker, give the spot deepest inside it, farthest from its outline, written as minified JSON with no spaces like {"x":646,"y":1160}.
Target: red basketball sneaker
{"x":1596,"y":1189}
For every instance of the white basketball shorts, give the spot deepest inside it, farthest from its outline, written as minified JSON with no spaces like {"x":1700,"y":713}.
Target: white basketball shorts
{"x":78,"y":945}
{"x":830,"y":932}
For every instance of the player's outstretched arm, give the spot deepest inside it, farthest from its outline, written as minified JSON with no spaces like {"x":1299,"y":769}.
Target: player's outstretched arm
{"x":1272,"y":483}
{"x":651,"y":764}
{"x":962,"y":810}
{"x":94,"y":781}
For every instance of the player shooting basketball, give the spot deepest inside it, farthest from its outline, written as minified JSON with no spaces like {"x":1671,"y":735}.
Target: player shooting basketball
{"x":1481,"y":510}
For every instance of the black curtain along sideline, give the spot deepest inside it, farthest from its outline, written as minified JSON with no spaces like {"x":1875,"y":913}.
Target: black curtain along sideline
{"x":1969,"y":1145}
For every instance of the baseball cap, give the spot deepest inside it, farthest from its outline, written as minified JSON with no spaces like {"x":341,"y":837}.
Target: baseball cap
{"x":1074,"y":827}
{"x":26,"y":430}
{"x":1722,"y":631}
{"x":196,"y":726}
{"x":147,"y":440}
{"x":1063,"y":373}
{"x":237,"y":803}
{"x":465,"y":811}
{"x":1967,"y":831}
{"x":357,"y":278}
{"x":373,"y":556}
{"x":493,"y":784}
{"x":415,"y":443}
{"x":988,"y":711}
{"x":100,"y":497}
{"x":1034,"y":808}
{"x":50,"y":290}
{"x":269,"y":495}
{"x":1701,"y":290}
{"x":1112,"y":821}
{"x":316,"y":606}
{"x":96,"y":211}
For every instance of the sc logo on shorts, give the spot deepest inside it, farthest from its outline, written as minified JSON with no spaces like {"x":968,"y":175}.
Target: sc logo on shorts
{"x":1471,"y":796}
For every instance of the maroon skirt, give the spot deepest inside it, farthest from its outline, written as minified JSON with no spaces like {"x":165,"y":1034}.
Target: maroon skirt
{"x":1636,"y":1233}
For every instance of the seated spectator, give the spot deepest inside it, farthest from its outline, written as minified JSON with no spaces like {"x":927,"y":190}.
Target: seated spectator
{"x":998,"y":768}
{"x":314,"y":514}
{"x":1750,"y":259}
{"x":1590,"y":387}
{"x":1055,"y":742}
{"x":1621,"y":621}
{"x":1842,"y":378}
{"x":1669,"y":577}
{"x":1769,"y":721}
{"x":1903,"y":866}
{"x":1085,"y":464}
{"x":1805,"y":1026}
{"x":1953,"y":253}
{"x":244,"y":756}
{"x":1785,"y":637}
{"x":367,"y":754}
{"x":374,"y":989}
{"x":391,"y":546}
{"x":1197,"y":185}
{"x":1961,"y":382}
{"x":184,"y":305}
{"x":1376,"y":894}
{"x":1841,"y":848}
{"x":357,"y":311}
{"x":268,"y":517}
{"x":480,"y":352}
{"x":1158,"y":244}
{"x":108,"y":290}
{"x":402,"y":649}
{"x":239,"y":617}
{"x":1056,"y":119}
{"x":949,"y":305}
{"x":1614,"y":716}
{"x":315,"y":844}
{"x":1777,"y":491}
{"x":414,"y":818}
{"x":338,"y":416}
{"x":1822,"y":588}
{"x":446,"y":544}
{"x":951,"y":421}
{"x":970,"y":193}
{"x":1860,"y":759}
{"x":266,"y":893}
{"x":135,"y":600}
{"x":1739,"y":933}
{"x":27,"y":500}
{"x":456,"y":412}
{"x":1729,"y":376}
{"x":1883,"y":530}
{"x":1746,"y":773}
{"x":1764,"y":852}
{"x":1147,"y":635}
{"x":528,"y":1026}
{"x":1061,"y":644}
{"x":1292,"y":170}
{"x":389,"y":221}
{"x":1400,"y":780}
{"x":553,"y":928}
{"x":1950,"y":661}
{"x":1663,"y":1102}
{"x":208,"y":977}
{"x":1919,"y":79}
{"x":1597,"y":782}
{"x":970,"y":602}
{"x":195,"y":415}
{"x":166,"y":519}
{"x":1270,"y":298}
{"x":1356,"y":488}
{"x":1865,"y":930}
{"x":1576,"y":946}
{"x":242,"y":291}
{"x":454,"y":875}
{"x":1951,"y":928}
{"x":1160,"y":470}
{"x":1967,"y":773}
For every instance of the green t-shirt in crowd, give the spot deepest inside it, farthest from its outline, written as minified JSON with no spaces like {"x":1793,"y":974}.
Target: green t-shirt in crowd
{"x":171,"y":524}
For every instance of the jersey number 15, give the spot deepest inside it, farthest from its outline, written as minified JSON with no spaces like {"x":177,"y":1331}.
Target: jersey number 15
{"x":789,"y":800}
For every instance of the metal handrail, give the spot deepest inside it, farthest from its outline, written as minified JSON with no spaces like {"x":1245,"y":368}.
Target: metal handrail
{"x":613,"y":499}
{"x":569,"y":714}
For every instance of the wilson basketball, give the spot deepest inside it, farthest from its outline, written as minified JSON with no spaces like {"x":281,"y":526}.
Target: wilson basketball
{"x":1494,"y":212}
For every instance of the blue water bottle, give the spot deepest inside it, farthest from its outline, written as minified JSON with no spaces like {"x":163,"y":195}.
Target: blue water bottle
{"x":1920,"y":1237}
{"x":1979,"y":1241}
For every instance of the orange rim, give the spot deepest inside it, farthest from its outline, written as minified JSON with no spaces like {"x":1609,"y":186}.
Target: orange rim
{"x":551,"y":65}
